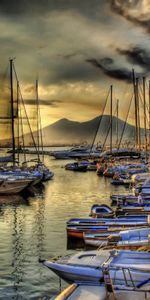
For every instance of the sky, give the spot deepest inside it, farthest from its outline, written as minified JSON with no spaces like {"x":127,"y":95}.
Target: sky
{"x":76,"y":49}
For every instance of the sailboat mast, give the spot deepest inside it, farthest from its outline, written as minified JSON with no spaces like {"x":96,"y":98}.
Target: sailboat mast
{"x":111,"y":96}
{"x":135,"y":106}
{"x":117,"y":127}
{"x":41,"y":136}
{"x":145,"y":130}
{"x":12,"y":110}
{"x":37,"y":106}
{"x":18,"y":127}
{"x":149,"y":110}
{"x":138,"y":114}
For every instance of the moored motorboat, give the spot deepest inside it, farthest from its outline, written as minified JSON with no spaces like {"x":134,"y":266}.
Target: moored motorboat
{"x":45,"y":172}
{"x":88,"y":266}
{"x":121,"y":181}
{"x":121,"y":153}
{"x":82,"y":151}
{"x":76,"y":166}
{"x":125,"y":169}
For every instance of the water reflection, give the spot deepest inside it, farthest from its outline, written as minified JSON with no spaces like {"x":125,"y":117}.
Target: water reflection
{"x":12,"y":200}
{"x":18,"y":255}
{"x":25,"y":236}
{"x":34,"y":238}
{"x":35,"y":227}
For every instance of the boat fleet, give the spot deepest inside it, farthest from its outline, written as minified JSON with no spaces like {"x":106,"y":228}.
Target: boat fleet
{"x":120,"y":260}
{"x":115,"y":262}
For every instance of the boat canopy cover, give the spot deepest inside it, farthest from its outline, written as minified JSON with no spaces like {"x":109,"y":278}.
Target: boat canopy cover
{"x":131,"y":259}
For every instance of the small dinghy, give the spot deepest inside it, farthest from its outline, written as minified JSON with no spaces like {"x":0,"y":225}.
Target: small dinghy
{"x":121,"y":181}
{"x":77,"y":229}
{"x":96,"y":239}
{"x":137,"y":209}
{"x":80,"y":267}
{"x":128,"y":199}
{"x":104,"y":211}
{"x":88,"y":266}
{"x":123,"y":239}
{"x":101,"y":211}
{"x":76,"y":166}
{"x":108,"y":221}
{"x":130,"y":239}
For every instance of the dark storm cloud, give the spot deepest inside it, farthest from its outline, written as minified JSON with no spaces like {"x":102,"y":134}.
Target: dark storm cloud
{"x":106,"y":65}
{"x":16,"y":7}
{"x":138,"y":56}
{"x":125,"y":8}
{"x":72,"y":55}
{"x":71,"y":71}
{"x":42,"y":102}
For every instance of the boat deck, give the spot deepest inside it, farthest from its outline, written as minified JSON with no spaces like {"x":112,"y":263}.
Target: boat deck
{"x":88,"y":292}
{"x":129,"y":295}
{"x":91,"y":258}
{"x":82,"y":292}
{"x":95,"y":292}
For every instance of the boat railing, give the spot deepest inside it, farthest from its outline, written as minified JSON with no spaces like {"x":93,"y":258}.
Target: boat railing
{"x":129,"y":283}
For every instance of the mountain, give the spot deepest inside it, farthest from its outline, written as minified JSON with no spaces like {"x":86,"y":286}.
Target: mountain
{"x":64,"y":131}
{"x":67,"y":132}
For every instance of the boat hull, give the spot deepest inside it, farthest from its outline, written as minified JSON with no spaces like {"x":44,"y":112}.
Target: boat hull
{"x":88,"y":267}
{"x":11,"y":188}
{"x":78,"y":232}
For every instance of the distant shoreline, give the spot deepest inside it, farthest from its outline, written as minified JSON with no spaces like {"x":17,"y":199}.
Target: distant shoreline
{"x":54,"y":145}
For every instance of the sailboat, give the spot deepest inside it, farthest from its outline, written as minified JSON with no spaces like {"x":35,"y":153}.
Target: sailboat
{"x":13,"y":179}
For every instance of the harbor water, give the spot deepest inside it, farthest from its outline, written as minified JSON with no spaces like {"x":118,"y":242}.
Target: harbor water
{"x":35,"y":228}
